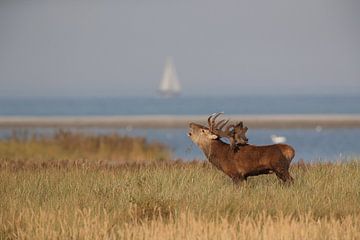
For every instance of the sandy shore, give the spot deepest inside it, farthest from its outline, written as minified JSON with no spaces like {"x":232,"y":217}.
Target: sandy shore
{"x":171,"y":121}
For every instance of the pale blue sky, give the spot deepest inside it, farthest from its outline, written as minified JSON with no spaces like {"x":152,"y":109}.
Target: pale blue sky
{"x":118,"y":48}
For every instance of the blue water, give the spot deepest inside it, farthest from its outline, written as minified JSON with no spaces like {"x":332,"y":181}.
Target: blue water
{"x":310,"y":145}
{"x":181,"y":105}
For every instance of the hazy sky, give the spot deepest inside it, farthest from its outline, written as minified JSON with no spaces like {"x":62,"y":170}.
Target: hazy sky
{"x":118,"y":48}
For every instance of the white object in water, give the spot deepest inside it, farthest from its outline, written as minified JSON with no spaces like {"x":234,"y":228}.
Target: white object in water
{"x":278,"y":139}
{"x":169,"y":85}
{"x":318,"y":128}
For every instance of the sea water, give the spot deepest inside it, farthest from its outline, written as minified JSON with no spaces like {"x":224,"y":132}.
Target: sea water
{"x":322,"y":144}
{"x":181,"y":105}
{"x":310,"y":144}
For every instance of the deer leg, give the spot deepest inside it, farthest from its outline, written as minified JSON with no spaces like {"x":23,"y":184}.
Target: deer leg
{"x":238,"y":179}
{"x":284,"y":176}
{"x":280,"y":176}
{"x":288,"y":177}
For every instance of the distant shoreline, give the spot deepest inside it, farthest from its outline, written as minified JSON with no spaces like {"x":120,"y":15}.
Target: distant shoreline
{"x":181,"y":121}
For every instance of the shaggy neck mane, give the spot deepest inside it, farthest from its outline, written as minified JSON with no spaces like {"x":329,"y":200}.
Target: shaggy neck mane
{"x":215,"y":149}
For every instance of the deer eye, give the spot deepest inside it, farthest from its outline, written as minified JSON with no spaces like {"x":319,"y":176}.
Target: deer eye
{"x":202,"y":130}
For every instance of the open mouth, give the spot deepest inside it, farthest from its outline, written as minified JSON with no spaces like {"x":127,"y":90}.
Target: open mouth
{"x":189,"y":132}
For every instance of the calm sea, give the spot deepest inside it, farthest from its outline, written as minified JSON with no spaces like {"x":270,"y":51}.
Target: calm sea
{"x":310,"y":144}
{"x":180,"y":105}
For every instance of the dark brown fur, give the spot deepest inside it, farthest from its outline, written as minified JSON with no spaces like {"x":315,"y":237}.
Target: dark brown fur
{"x":246,"y":160}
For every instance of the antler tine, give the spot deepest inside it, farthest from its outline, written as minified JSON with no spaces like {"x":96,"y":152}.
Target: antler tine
{"x":238,"y":126}
{"x":215,"y":116}
{"x":224,"y":133}
{"x":212,"y":118}
{"x":209,"y":120}
{"x":240,"y":132}
{"x":218,"y":123}
{"x":241,"y":126}
{"x":221,"y":124}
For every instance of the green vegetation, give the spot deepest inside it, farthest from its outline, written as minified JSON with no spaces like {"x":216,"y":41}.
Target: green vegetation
{"x":173,"y":200}
{"x":66,"y":147}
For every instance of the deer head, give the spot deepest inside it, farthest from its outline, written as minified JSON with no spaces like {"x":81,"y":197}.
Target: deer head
{"x":236,"y":133}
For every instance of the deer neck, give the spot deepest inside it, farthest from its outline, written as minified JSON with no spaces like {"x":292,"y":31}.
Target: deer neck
{"x":215,"y":151}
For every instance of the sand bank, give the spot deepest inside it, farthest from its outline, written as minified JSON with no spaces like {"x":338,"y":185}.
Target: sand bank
{"x":172,"y":121}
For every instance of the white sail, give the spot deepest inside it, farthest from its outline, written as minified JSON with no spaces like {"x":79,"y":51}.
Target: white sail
{"x":170,"y":84}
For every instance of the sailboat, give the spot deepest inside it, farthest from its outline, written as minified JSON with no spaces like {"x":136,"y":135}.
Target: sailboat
{"x":169,"y":85}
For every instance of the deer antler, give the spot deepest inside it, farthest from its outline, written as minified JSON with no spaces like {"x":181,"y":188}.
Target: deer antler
{"x":235,"y":133}
{"x":211,"y":120}
{"x":240,"y":132}
{"x":217,"y":128}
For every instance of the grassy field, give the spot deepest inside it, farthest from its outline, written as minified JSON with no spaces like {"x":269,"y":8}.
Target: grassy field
{"x":68,"y":148}
{"x":160,"y":199}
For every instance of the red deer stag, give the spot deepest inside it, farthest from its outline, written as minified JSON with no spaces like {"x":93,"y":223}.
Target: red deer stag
{"x":240,"y":160}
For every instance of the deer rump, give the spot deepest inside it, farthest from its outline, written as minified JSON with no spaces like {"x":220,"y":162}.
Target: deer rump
{"x":239,"y":159}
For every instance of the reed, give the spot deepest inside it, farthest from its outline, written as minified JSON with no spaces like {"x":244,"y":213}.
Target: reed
{"x":66,"y":147}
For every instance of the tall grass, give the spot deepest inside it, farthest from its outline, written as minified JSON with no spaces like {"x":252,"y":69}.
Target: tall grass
{"x":68,"y":187}
{"x":66,"y":146}
{"x":178,"y":201}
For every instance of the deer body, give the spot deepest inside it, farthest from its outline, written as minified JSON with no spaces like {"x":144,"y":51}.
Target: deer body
{"x":246,"y":160}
